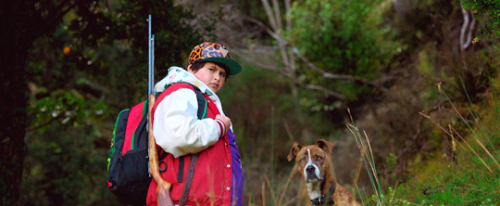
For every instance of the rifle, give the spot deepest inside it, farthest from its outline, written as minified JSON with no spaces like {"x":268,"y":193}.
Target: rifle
{"x":163,"y":190}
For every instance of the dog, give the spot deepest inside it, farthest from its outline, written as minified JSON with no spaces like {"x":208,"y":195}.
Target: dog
{"x":314,"y":165}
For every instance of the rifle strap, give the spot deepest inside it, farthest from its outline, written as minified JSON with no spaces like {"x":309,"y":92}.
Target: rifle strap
{"x":189,"y":180}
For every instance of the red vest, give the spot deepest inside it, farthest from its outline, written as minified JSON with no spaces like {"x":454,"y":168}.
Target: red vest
{"x":211,"y":183}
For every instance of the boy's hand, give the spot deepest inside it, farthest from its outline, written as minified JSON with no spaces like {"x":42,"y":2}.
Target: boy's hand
{"x":225,"y":120}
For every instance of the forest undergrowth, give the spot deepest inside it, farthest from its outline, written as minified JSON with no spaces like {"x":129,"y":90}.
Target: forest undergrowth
{"x":468,"y":174}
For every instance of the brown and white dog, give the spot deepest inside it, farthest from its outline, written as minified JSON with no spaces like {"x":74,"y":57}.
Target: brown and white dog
{"x":314,"y":165}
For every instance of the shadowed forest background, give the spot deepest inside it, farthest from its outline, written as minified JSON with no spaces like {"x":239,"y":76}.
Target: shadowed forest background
{"x":416,"y":77}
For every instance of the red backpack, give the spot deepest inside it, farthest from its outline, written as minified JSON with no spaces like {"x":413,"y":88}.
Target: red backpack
{"x":128,"y":175}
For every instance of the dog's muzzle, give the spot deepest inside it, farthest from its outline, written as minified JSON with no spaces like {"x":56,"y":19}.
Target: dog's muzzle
{"x":312,"y":173}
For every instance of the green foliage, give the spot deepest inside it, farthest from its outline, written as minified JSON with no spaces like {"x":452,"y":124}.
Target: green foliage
{"x":389,"y":200}
{"x":80,"y":76}
{"x":452,"y":185}
{"x":174,"y":37}
{"x":63,"y":167}
{"x":488,"y":10}
{"x":69,"y":107}
{"x":342,"y":37}
{"x":390,"y":161}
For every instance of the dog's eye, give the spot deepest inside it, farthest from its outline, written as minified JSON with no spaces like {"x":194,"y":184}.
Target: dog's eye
{"x":319,"y":158}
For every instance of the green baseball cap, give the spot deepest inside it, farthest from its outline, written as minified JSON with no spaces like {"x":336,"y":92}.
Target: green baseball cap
{"x":214,"y":52}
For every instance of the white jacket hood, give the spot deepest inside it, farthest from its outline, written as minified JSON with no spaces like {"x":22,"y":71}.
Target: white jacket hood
{"x":178,"y":74}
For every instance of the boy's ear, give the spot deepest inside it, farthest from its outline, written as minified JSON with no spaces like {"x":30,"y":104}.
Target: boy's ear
{"x":294,"y":151}
{"x":189,"y":69}
{"x":325,"y":145}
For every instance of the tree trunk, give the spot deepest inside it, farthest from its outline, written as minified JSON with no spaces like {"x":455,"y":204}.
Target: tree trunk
{"x":13,"y":115}
{"x":14,"y":93}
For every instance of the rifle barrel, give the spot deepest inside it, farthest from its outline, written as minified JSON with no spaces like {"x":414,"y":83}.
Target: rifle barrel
{"x":150,"y":75}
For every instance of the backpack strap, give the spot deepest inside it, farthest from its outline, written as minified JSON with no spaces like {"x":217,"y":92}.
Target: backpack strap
{"x":202,"y":103}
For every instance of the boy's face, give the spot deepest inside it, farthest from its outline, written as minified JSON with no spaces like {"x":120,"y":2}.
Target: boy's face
{"x":212,"y":75}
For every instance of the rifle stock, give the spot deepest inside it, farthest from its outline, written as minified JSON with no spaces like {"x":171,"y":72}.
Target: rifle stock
{"x":163,"y":190}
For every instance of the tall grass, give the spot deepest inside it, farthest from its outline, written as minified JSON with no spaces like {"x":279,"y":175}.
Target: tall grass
{"x":367,"y":157}
{"x":476,"y":119}
{"x":463,"y":183}
{"x":364,"y":147}
{"x":460,"y":184}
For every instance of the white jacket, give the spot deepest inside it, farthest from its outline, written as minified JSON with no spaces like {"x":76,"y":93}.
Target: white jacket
{"x":176,"y":126}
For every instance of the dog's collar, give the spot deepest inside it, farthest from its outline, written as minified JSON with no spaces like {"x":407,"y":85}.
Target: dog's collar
{"x":321,"y":199}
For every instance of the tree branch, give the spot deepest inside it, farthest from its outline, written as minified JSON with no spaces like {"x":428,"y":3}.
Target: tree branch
{"x":278,"y":35}
{"x":277,"y":14}
{"x":290,"y":76}
{"x":311,"y":65}
{"x":320,"y":88}
{"x":256,"y":63}
{"x":267,"y":29}
{"x":287,"y":55}
{"x":44,"y":124}
{"x":269,"y":12}
{"x":289,"y":28}
{"x":288,"y":20}
{"x":336,"y":76}
{"x":466,"y":27}
{"x":289,"y":65}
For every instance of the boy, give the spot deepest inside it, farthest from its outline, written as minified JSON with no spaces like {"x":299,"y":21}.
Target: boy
{"x":218,"y":177}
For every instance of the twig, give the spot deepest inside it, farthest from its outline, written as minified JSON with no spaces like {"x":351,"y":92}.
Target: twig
{"x":394,"y":193}
{"x":288,"y":131}
{"x":419,"y":129}
{"x":45,"y":123}
{"x":293,"y":200}
{"x":263,"y":194}
{"x":320,"y":88}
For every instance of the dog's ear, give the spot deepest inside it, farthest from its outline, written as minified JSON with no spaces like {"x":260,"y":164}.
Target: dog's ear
{"x":294,"y":151}
{"x":325,"y":145}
